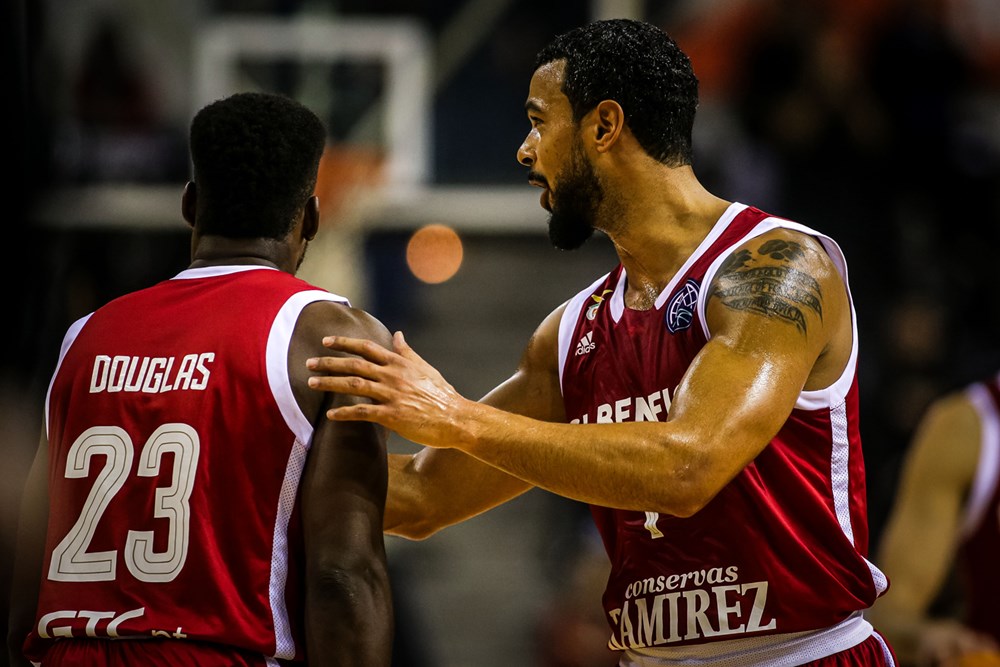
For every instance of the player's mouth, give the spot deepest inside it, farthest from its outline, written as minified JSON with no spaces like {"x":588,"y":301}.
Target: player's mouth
{"x":545,"y":198}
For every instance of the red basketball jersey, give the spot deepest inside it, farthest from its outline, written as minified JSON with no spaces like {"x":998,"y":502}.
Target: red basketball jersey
{"x":176,"y":449}
{"x":979,"y":549}
{"x":782,"y":549}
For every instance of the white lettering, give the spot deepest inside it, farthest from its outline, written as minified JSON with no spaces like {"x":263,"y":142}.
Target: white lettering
{"x":652,"y":622}
{"x":698,"y":624}
{"x":167,"y":386}
{"x":117,"y":374}
{"x":93,"y":617}
{"x":650,"y":617}
{"x":759,"y":601}
{"x":150,"y":375}
{"x":204,"y":359}
{"x":622,"y":409}
{"x":91,"y":628}
{"x":184,"y":371}
{"x":725,"y":610}
{"x":634,"y":408}
{"x":99,"y":378}
{"x":155,"y":376}
{"x":625,"y":630}
{"x":132,"y":383}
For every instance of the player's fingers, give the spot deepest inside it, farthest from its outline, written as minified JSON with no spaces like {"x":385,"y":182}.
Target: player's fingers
{"x":345,"y":366}
{"x":359,"y":346}
{"x":403,"y":348}
{"x":406,"y":352}
{"x":363,"y":412}
{"x":350,"y":384}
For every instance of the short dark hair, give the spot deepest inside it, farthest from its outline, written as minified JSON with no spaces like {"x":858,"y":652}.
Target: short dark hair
{"x":256,"y":158}
{"x":639,"y":66}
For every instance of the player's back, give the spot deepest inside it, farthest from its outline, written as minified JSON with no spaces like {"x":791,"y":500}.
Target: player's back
{"x":176,"y":448}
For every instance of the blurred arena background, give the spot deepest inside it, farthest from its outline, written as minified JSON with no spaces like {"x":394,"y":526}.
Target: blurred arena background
{"x":876,"y":121}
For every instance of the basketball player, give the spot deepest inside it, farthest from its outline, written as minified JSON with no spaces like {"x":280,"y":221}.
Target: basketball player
{"x":189,"y":504}
{"x":702,"y":396}
{"x":947,"y":515}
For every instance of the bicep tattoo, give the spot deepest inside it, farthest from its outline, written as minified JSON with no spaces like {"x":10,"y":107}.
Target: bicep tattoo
{"x":776,"y":291}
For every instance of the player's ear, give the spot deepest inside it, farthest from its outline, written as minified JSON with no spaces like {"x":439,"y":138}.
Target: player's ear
{"x":189,"y":201}
{"x":609,"y":121}
{"x":310,"y":219}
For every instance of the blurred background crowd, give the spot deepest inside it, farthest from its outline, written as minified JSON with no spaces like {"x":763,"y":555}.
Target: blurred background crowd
{"x":875,"y":121}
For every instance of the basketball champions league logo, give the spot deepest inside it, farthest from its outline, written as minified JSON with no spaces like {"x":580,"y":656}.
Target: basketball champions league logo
{"x":680,"y":310}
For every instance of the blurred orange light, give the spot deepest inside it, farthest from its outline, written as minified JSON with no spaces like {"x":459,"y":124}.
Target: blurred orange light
{"x":434,"y":253}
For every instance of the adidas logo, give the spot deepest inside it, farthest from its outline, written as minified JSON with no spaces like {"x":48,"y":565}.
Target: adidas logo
{"x":586,"y":344}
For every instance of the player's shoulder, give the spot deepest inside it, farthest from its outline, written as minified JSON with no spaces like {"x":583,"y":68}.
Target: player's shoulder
{"x":783,"y":245}
{"x":326,"y":318}
{"x":955,"y":408}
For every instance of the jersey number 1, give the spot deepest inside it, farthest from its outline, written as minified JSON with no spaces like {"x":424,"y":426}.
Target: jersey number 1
{"x":651,"y":519}
{"x":70,"y":559}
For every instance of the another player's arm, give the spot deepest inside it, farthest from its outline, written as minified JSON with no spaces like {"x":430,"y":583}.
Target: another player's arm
{"x":348,"y":596}
{"x":734,"y":398}
{"x":29,"y":555}
{"x":921,"y":536}
{"x":436,"y":488}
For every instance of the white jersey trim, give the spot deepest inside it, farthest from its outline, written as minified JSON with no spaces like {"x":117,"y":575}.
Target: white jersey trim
{"x":278,"y":342}
{"x":782,"y":650}
{"x":618,"y":297}
{"x":988,"y":468}
{"x":815,"y":399}
{"x":68,"y":340}
{"x":222,"y":270}
{"x":567,"y":323}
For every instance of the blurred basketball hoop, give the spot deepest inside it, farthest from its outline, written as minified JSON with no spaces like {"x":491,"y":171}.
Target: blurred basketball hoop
{"x":368,"y":79}
{"x":347,"y":174}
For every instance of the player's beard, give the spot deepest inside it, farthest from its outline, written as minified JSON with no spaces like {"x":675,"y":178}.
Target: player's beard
{"x":574,"y":207}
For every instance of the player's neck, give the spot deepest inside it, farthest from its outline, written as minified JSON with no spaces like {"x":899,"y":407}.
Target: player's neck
{"x":656,"y":231}
{"x":223,"y":251}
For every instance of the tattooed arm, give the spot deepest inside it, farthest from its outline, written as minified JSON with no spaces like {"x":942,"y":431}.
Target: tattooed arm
{"x":784,"y":277}
{"x":780,"y":321}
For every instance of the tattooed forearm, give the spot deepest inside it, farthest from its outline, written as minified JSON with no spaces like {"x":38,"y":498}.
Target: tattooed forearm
{"x":773,"y":291}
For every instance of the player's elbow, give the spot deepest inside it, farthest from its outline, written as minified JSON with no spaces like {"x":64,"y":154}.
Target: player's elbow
{"x":346,"y":579}
{"x":683,"y":504}
{"x":691,"y":488}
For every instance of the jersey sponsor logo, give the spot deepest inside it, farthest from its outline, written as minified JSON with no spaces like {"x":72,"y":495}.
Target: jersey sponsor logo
{"x":98,"y":623}
{"x":662,"y":610}
{"x":632,"y":408}
{"x":150,"y":375}
{"x":680,"y":309}
{"x":585,"y":344}
{"x":598,"y":299}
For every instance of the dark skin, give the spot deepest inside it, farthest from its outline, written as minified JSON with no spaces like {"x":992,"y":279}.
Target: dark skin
{"x":780,"y":322}
{"x":348,"y":599}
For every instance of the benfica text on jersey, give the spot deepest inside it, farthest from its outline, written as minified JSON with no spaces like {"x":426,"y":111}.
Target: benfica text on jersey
{"x":778,"y":558}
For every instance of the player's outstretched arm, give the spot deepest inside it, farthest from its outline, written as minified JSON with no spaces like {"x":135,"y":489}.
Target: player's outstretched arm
{"x":349,"y":613}
{"x":919,"y":543}
{"x":436,"y":488}
{"x":734,"y":398}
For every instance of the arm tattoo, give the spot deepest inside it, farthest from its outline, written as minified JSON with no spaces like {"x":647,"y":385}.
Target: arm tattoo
{"x":780,"y":291}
